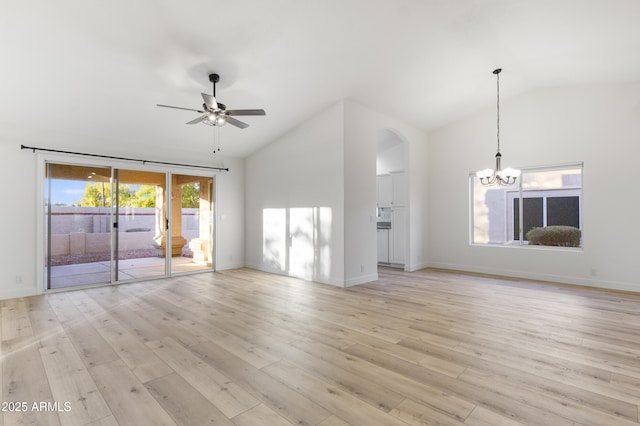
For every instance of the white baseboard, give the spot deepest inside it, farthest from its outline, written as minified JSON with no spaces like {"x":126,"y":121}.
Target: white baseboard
{"x":562,"y":279}
{"x":226,"y":266}
{"x":361,"y":279}
{"x":263,"y":268}
{"x":416,"y":267}
{"x":18,"y":292}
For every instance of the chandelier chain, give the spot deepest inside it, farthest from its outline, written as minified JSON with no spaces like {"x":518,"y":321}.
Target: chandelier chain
{"x":498,"y":106}
{"x":498,"y":176}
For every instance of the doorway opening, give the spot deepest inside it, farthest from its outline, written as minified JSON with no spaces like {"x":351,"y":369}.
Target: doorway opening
{"x":391,"y":199}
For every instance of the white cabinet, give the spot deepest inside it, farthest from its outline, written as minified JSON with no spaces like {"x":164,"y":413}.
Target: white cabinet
{"x":392,"y":194}
{"x":397,"y":235}
{"x":391,"y":189}
{"x":399,"y":189}
{"x":383,"y":246}
{"x":384,"y":187}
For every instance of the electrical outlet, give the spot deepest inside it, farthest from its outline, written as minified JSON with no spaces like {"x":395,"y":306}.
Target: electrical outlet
{"x":18,"y":279}
{"x":361,"y":268}
{"x":594,"y":272}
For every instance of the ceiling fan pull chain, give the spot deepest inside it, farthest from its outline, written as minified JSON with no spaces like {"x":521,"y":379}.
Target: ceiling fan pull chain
{"x":214,"y":143}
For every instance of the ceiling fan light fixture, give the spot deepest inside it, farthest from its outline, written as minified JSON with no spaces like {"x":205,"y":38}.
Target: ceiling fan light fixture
{"x":216,"y":114}
{"x":215,"y":119}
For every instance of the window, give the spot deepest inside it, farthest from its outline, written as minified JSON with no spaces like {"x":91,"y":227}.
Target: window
{"x":542,"y":197}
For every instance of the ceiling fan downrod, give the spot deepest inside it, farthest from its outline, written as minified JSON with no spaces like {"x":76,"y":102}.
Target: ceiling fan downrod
{"x":214,"y":78}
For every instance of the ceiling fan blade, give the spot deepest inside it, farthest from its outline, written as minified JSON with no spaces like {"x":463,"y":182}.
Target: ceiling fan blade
{"x":197,"y":120}
{"x":209,"y":101}
{"x":175,"y":107}
{"x":236,"y":123}
{"x":246,"y":112}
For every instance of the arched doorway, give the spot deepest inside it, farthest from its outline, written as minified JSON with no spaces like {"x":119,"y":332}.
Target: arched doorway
{"x":392,"y":198}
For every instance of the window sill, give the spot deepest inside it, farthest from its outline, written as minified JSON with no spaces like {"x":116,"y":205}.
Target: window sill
{"x":529,"y":247}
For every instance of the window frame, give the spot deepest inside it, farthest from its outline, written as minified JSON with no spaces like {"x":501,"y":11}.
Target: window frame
{"x":545,"y":194}
{"x":517,"y":191}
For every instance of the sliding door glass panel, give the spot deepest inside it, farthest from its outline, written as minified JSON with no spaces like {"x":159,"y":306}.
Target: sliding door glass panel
{"x":139,"y":209}
{"x":77,"y":225}
{"x":192,"y":223}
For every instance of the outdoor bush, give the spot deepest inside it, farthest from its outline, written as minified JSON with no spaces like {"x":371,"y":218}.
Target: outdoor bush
{"x":563,"y":236}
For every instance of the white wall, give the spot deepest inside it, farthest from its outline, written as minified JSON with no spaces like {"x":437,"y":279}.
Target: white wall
{"x":361,"y":137}
{"x":330,"y":161}
{"x":20,"y":244}
{"x":301,"y":173}
{"x":230,"y":216}
{"x":417,"y":156}
{"x":599,"y":125}
{"x":18,"y":241}
{"x":362,"y":127}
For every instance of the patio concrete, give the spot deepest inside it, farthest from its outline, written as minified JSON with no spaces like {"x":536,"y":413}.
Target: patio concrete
{"x":128,"y":269}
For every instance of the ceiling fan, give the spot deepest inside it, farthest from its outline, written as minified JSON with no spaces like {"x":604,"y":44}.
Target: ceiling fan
{"x":215,"y":113}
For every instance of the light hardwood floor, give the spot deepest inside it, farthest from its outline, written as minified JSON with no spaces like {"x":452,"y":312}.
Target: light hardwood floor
{"x":248,"y":348}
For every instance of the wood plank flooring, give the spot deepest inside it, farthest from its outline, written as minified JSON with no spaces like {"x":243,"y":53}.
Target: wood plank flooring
{"x":243,"y":347}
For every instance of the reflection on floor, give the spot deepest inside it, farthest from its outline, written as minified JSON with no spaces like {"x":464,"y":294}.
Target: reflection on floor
{"x":129,"y":269}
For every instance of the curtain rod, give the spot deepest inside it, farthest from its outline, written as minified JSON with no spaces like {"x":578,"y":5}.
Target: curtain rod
{"x":34,"y":149}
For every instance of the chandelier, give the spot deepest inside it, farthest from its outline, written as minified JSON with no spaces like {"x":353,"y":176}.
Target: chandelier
{"x":498,"y":176}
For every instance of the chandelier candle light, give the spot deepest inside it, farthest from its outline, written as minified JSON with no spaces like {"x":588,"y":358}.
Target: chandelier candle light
{"x":498,"y":176}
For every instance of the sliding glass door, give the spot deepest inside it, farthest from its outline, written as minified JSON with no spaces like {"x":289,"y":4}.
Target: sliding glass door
{"x":108,"y":225}
{"x":78,"y":225}
{"x":192,"y":224}
{"x":140,"y":224}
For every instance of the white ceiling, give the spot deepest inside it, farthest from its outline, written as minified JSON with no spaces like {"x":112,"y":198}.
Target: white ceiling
{"x":94,"y":70}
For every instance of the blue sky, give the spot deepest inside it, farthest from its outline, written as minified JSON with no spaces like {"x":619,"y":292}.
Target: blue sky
{"x":66,"y":191}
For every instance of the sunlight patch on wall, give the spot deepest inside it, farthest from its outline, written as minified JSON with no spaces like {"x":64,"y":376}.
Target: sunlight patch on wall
{"x":274,"y":246}
{"x":297,"y":241}
{"x":303,"y":239}
{"x":324,"y":222}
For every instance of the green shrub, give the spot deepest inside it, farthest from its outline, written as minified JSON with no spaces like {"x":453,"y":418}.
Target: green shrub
{"x":564,"y":236}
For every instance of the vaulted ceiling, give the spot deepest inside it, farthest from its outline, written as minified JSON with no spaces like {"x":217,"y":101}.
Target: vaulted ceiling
{"x":78,"y":70}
